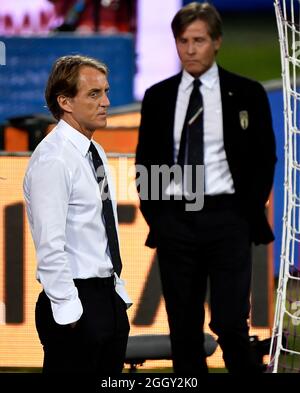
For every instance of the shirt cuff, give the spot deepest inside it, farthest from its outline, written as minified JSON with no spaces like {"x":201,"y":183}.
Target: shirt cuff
{"x":121,"y":291}
{"x":67,"y":312}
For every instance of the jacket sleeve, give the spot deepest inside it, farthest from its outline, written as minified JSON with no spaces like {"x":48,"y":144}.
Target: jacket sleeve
{"x":264,"y":151}
{"x":262,"y":169}
{"x":144,"y":158}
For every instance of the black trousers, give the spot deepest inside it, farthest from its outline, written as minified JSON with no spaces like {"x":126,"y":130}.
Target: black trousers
{"x":192,"y":248}
{"x":97,"y":344}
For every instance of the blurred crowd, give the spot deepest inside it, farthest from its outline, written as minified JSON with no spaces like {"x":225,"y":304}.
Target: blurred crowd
{"x":18,"y":17}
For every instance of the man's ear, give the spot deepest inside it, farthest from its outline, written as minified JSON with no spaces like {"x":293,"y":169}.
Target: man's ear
{"x":217,"y":44}
{"x":65,"y":103}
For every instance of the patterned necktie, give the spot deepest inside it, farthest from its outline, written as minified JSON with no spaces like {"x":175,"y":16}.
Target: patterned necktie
{"x":107,"y":211}
{"x":191,"y":143}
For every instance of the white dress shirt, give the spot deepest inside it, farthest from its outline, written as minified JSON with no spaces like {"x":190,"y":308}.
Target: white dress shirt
{"x":64,"y":210}
{"x":218,"y":179}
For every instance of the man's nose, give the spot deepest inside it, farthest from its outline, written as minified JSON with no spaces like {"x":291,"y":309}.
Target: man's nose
{"x":190,"y":47}
{"x":105,"y":101}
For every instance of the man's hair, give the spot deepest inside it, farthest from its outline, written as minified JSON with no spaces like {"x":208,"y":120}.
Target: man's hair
{"x":63,"y":79}
{"x":194,"y":11}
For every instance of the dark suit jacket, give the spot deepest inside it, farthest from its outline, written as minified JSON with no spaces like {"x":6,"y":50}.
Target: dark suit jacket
{"x":250,"y":152}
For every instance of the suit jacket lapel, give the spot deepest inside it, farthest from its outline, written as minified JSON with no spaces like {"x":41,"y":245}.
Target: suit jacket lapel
{"x":228,"y":108}
{"x":169,"y":115}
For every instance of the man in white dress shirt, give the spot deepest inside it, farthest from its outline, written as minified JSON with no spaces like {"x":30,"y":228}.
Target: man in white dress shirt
{"x":207,"y":116}
{"x":81,"y":313}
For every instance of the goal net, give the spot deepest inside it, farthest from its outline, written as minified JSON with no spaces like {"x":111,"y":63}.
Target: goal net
{"x":285,"y":343}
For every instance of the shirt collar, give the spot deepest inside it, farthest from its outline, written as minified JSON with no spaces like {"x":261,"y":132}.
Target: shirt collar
{"x":80,"y":141}
{"x":208,"y":78}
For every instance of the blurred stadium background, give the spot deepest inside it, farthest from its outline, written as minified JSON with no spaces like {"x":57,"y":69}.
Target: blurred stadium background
{"x":134,"y":38}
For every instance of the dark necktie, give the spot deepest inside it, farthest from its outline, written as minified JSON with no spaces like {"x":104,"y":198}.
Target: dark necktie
{"x":107,"y":211}
{"x":191,"y":143}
